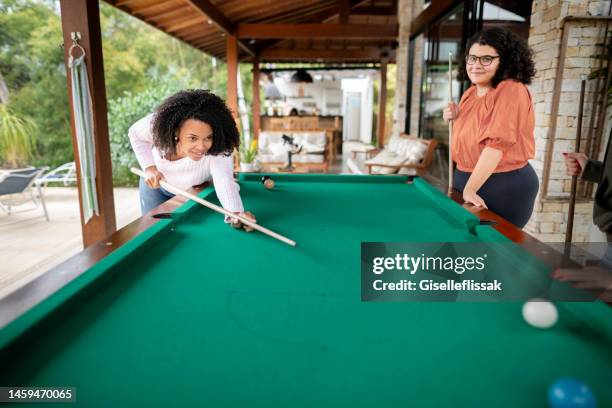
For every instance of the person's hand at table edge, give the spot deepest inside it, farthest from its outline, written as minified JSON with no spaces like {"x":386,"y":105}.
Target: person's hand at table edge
{"x":237,"y":224}
{"x":592,"y":278}
{"x":153,"y":177}
{"x":470,"y":197}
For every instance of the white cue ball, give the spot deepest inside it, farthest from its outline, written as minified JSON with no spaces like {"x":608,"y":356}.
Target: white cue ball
{"x":540,"y":313}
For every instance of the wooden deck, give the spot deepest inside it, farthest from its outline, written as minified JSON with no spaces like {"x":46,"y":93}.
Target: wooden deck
{"x":29,"y":245}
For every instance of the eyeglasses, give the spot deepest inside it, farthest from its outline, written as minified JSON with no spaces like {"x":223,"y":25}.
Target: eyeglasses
{"x":484,"y":60}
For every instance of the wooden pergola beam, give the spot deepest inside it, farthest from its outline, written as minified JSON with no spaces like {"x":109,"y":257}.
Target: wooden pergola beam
{"x":231,"y":53}
{"x":177,"y":20}
{"x":169,"y":14}
{"x":84,"y":17}
{"x":124,"y":3}
{"x":375,"y":11}
{"x":193,"y":37}
{"x":436,"y":9}
{"x":344,"y":9}
{"x":207,"y":42}
{"x":218,"y":19}
{"x":295,"y":31}
{"x":183,"y":34}
{"x":319,"y":17}
{"x":276,"y":54}
{"x":184,"y":23}
{"x":302,"y":16}
{"x":147,"y":8}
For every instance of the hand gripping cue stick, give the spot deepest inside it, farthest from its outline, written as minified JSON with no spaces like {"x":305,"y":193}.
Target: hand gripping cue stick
{"x":450,"y":122}
{"x":572,"y":202}
{"x":221,"y":210}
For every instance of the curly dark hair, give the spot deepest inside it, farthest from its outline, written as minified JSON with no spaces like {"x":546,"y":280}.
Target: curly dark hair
{"x":197,"y":104}
{"x":515,"y":56}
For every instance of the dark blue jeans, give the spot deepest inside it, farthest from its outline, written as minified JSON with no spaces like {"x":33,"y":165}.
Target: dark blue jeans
{"x":151,"y":197}
{"x":509,"y":194}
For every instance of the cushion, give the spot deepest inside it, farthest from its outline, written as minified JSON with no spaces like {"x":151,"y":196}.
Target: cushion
{"x":312,"y":149}
{"x":407,"y":171}
{"x":271,"y":148}
{"x":393,"y":144}
{"x":315,"y":138}
{"x":362,"y":148}
{"x":386,"y":157}
{"x":268,"y":138}
{"x":416,"y":152}
{"x":412,"y":150}
{"x":308,"y":158}
{"x":279,"y":149}
{"x":403,"y":147}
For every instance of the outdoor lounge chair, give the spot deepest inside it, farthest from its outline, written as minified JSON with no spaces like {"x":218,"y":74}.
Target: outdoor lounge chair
{"x":404,"y":154}
{"x":17,"y":187}
{"x":65,"y":174}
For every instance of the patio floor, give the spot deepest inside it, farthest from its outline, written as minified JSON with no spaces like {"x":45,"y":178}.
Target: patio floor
{"x":29,"y":245}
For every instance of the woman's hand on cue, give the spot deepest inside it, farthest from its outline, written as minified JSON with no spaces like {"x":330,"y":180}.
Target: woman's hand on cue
{"x":470,"y":197}
{"x":575,"y":163}
{"x":450,"y":112}
{"x":153,"y":177}
{"x":238,"y":224}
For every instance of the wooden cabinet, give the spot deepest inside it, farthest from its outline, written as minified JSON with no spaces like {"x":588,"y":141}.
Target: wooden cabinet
{"x":293,"y":123}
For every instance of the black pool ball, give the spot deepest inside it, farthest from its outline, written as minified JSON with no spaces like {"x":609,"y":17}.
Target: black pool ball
{"x":267,"y":182}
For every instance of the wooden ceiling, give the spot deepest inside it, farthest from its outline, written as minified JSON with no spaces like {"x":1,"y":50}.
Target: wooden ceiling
{"x":277,"y":30}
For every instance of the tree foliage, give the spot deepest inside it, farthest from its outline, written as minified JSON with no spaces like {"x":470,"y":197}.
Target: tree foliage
{"x":16,"y":137}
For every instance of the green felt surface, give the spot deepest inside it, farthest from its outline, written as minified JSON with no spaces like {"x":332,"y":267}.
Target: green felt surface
{"x":193,"y":313}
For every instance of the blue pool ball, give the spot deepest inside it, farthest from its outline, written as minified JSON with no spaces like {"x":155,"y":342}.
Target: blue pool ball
{"x":570,"y":393}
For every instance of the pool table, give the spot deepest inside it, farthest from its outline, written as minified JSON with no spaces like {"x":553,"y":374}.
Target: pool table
{"x":186,"y":311}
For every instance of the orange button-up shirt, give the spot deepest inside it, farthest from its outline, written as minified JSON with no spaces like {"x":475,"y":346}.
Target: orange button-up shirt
{"x":503,"y":119}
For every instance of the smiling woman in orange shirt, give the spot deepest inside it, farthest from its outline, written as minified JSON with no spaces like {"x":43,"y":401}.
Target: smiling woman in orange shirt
{"x":493,"y":127}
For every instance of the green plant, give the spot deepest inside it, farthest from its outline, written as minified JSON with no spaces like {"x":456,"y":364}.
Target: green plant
{"x":17,"y":137}
{"x":123,"y":113}
{"x":248,"y":154}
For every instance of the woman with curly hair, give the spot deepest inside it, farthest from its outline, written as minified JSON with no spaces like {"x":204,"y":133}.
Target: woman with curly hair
{"x":493,"y":127}
{"x":187,"y":141}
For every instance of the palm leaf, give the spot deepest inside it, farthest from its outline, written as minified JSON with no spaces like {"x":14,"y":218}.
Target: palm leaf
{"x":17,"y":137}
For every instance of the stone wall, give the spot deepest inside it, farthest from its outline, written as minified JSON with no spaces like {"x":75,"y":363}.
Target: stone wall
{"x":548,"y":222}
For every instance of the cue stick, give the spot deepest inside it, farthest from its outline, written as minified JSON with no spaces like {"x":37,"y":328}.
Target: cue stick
{"x":450,"y":122}
{"x":572,"y":203}
{"x":221,"y":210}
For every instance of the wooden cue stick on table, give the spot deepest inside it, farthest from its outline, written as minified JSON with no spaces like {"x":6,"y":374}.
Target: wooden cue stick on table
{"x":214,"y":207}
{"x":450,"y":122}
{"x":572,"y":202}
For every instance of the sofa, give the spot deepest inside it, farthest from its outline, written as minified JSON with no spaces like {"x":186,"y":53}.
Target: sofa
{"x":273,"y":150}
